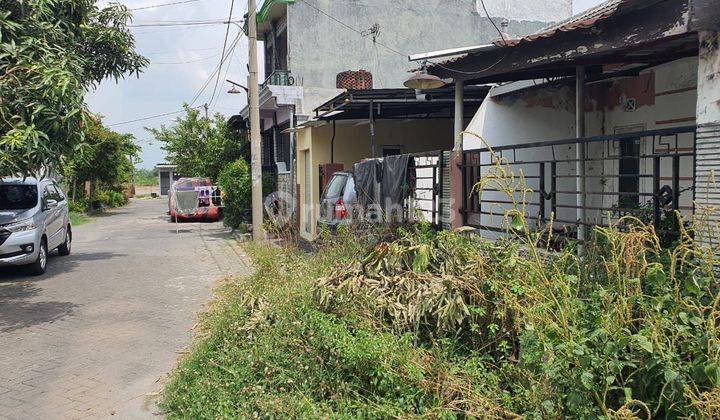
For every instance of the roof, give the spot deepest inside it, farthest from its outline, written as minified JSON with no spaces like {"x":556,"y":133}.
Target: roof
{"x":399,"y":103}
{"x":633,"y":33}
{"x":165,"y":166}
{"x":270,"y":10}
{"x":582,"y":20}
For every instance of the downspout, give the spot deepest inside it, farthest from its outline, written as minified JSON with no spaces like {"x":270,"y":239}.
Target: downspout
{"x":332,"y":145}
{"x":580,"y":151}
{"x":293,"y":187}
{"x":372,"y":128}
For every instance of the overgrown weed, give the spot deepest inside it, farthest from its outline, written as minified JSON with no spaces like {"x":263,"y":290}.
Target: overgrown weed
{"x":410,"y":322}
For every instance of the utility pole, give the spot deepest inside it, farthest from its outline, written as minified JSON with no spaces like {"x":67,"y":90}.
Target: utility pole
{"x":257,"y":206}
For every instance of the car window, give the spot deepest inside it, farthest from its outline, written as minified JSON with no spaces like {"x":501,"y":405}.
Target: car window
{"x":50,"y":193}
{"x":336,"y":186}
{"x":349,"y":194}
{"x":59,"y":193}
{"x":18,"y":197}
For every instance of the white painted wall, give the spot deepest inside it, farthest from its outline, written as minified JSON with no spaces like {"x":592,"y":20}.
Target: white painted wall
{"x":541,"y":114}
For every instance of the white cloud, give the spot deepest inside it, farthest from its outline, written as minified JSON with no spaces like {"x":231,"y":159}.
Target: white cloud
{"x":164,"y":88}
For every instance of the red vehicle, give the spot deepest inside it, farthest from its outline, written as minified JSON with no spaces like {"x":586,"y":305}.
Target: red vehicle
{"x":194,"y":199}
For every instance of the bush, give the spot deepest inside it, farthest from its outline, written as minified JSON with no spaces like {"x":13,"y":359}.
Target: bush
{"x":79,"y":206}
{"x":236,"y":185}
{"x":415,"y":322}
{"x":107,"y":198}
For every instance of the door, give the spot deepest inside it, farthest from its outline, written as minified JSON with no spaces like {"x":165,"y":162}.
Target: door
{"x":51,"y":216}
{"x":164,"y":183}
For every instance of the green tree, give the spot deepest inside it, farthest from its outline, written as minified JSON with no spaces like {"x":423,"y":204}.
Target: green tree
{"x":235,"y":182}
{"x":201,"y":146}
{"x":106,"y":160}
{"x":51,"y":53}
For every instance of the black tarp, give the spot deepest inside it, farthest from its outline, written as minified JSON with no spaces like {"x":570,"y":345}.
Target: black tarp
{"x":366,"y":180}
{"x":393,"y":187}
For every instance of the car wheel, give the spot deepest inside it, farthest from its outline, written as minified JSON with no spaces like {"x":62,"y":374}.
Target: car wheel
{"x":66,"y":246}
{"x":38,"y":267}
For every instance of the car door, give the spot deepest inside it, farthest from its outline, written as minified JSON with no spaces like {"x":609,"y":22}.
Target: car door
{"x":53,"y":223}
{"x":63,"y":211}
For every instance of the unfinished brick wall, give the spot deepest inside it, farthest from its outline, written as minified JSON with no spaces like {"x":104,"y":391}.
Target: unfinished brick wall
{"x":354,"y":80}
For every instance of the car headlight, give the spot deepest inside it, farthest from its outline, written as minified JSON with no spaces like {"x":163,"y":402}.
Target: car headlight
{"x":21,"y":226}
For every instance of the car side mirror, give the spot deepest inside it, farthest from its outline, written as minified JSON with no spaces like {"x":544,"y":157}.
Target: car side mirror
{"x":50,"y":204}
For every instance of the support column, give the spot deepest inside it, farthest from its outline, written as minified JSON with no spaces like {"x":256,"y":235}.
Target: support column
{"x":456,"y":198}
{"x":459,"y":113}
{"x":707,"y":164}
{"x":580,"y":150}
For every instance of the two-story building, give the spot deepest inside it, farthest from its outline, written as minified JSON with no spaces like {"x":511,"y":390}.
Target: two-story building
{"x":316,"y":49}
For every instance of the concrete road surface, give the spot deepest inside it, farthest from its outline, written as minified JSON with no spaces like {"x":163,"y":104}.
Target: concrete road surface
{"x":95,"y":335}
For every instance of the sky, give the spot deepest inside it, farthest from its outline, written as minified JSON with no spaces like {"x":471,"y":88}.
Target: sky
{"x":182,"y":59}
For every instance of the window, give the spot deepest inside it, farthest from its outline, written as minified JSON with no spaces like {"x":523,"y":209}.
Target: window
{"x":59,"y":193}
{"x":392,"y":150}
{"x":630,"y":172}
{"x":336,"y":186}
{"x":18,"y":197}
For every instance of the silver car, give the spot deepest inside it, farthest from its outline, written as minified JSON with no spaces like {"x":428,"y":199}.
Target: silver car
{"x":34,"y":220}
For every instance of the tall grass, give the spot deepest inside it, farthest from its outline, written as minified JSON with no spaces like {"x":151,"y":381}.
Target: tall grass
{"x":413,"y":322}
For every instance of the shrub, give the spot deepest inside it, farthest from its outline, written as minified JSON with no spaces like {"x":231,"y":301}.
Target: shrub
{"x":236,"y":185}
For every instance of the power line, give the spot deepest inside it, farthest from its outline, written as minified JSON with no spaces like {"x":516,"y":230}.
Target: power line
{"x":502,"y":36}
{"x":217,"y":68}
{"x":151,"y":117}
{"x":362,"y":34}
{"x":164,"y":4}
{"x":186,"y":62}
{"x":180,"y":51}
{"x":222,"y":60}
{"x":202,"y":89}
{"x":180,"y":23}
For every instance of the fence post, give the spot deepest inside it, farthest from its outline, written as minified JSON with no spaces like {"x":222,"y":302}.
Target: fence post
{"x":676,"y":182}
{"x":656,"y":192}
{"x":553,"y":189}
{"x":541,"y":192}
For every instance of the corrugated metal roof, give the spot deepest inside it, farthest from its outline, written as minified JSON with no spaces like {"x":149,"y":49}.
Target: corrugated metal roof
{"x":582,"y":20}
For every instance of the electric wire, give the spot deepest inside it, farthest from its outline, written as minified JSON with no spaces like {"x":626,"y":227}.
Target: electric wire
{"x":200,"y":92}
{"x":163,"y":5}
{"x":222,"y":60}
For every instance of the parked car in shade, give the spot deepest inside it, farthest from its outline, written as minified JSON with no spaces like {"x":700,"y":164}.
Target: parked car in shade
{"x":337,"y":201}
{"x":34,"y":220}
{"x":194,"y":199}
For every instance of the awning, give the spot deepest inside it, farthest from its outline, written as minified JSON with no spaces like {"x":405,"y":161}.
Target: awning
{"x":618,"y":37}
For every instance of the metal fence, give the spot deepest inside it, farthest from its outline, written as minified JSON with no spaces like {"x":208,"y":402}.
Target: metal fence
{"x":583,"y":182}
{"x":425,"y":183}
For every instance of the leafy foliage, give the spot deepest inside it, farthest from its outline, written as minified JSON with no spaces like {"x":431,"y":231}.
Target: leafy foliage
{"x":419,"y":323}
{"x":236,"y":184}
{"x":51,"y":53}
{"x":201,"y":146}
{"x":106,"y":160}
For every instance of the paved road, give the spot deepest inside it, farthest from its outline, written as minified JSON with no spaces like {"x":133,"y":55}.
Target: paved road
{"x":94,"y":335}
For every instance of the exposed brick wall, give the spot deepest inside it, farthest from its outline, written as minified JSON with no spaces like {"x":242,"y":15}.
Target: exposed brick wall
{"x":356,"y":80}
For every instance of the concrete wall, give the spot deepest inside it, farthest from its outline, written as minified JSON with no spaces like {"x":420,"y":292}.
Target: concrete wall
{"x":352,"y":144}
{"x":661,"y":97}
{"x":708,"y":162}
{"x":320,"y":48}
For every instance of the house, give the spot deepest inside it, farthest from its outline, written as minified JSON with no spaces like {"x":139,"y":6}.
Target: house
{"x":611,"y":112}
{"x":316,"y":49}
{"x":167,"y":174}
{"x":361,"y":124}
